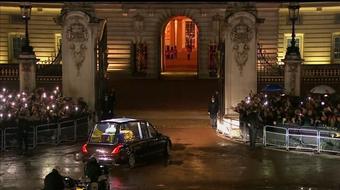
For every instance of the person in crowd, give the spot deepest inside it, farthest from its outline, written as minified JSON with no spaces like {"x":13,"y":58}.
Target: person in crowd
{"x":317,"y":121}
{"x":308,"y":118}
{"x":313,"y":110}
{"x":243,"y":120}
{"x":337,"y":122}
{"x":253,"y":124}
{"x":22,"y":131}
{"x":82,"y":105}
{"x":42,"y":107}
{"x":212,"y":111}
{"x":324,"y":121}
{"x":54,"y":181}
{"x":331,"y":120}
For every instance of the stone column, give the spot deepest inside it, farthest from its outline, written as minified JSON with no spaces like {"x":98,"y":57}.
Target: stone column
{"x":138,"y":27}
{"x":27,"y":71}
{"x":292,"y":80}
{"x":79,"y":35}
{"x":240,"y":56}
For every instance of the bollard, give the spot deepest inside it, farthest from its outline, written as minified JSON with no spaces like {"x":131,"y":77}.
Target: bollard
{"x":264,"y":136}
{"x":75,"y":130}
{"x":287,"y":139}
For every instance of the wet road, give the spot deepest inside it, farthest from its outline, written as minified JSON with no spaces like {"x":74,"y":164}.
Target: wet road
{"x":200,"y":160}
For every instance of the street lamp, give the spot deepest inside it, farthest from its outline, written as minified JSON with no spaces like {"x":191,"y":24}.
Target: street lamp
{"x":26,"y":9}
{"x":293,"y":16}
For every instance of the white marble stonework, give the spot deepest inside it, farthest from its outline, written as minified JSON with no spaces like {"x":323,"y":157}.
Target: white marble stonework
{"x":27,"y":72}
{"x":79,"y":58}
{"x":240,"y":56}
{"x":292,"y":80}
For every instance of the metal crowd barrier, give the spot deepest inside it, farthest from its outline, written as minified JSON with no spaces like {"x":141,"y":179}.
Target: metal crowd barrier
{"x":229,"y":127}
{"x":67,"y":131}
{"x":82,"y":127}
{"x":304,"y":139}
{"x":10,"y":138}
{"x":328,"y":141}
{"x":1,"y":140}
{"x":276,"y":136}
{"x":46,"y":134}
{"x":316,"y":140}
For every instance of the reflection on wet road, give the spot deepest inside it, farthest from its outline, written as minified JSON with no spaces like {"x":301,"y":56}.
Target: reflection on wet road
{"x":199,"y":160}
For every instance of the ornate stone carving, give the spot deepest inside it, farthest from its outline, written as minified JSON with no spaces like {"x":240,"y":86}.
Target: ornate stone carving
{"x":77,"y":37}
{"x":26,"y":67}
{"x":241,"y":35}
{"x":292,"y":67}
{"x":138,"y":23}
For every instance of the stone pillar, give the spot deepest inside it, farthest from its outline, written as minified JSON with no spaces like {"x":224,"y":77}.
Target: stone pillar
{"x":240,"y":56}
{"x":292,"y":78}
{"x":138,"y":27}
{"x":79,"y":35}
{"x":27,"y":71}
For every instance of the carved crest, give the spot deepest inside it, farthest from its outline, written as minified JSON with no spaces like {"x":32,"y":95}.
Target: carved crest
{"x":26,"y":67}
{"x":241,"y":34}
{"x":77,"y":36}
{"x":292,"y":67}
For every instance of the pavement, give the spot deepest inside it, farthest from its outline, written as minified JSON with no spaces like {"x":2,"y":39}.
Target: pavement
{"x":200,"y":158}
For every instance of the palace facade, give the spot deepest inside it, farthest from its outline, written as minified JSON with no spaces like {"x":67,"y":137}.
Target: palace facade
{"x":178,"y":37}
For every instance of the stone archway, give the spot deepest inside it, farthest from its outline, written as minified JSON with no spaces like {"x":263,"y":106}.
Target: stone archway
{"x":179,"y":46}
{"x":164,"y":18}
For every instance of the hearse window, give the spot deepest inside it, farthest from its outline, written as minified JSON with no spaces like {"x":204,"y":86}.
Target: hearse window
{"x":152,"y":131}
{"x":129,"y":132}
{"x":144,"y":130}
{"x":104,"y":133}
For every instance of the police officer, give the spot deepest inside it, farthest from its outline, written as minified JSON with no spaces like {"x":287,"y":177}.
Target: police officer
{"x":111,"y":102}
{"x":23,"y":124}
{"x":212,"y":111}
{"x":253,"y":121}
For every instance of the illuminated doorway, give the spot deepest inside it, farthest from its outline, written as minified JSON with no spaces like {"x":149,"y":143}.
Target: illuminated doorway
{"x":179,"y":46}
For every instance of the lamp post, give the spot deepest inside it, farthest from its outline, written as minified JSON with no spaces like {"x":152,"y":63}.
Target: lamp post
{"x":292,"y":60}
{"x":26,"y":9}
{"x":293,"y":16}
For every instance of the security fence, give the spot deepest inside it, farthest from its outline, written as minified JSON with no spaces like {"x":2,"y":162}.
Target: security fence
{"x":302,"y":138}
{"x":1,"y":140}
{"x":50,"y":133}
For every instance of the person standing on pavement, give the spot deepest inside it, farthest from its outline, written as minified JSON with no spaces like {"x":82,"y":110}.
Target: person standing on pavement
{"x":217,"y":100}
{"x":23,"y":124}
{"x":253,"y":122}
{"x":111,"y":102}
{"x":241,"y":109}
{"x":212,"y":111}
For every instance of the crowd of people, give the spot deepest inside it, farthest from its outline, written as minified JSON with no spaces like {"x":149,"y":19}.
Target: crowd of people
{"x":315,"y":110}
{"x":38,"y":107}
